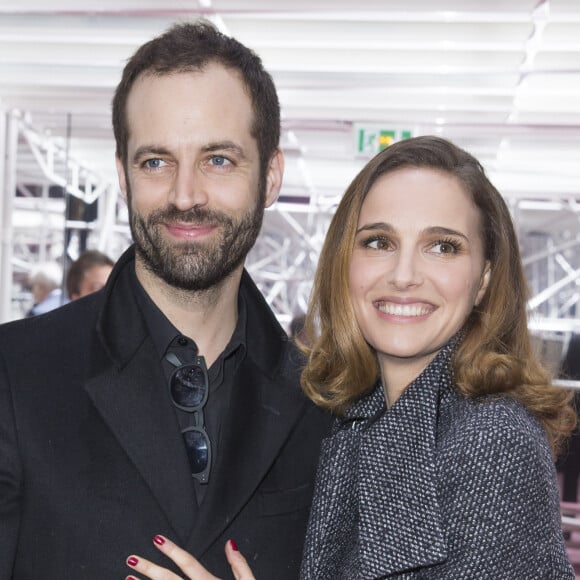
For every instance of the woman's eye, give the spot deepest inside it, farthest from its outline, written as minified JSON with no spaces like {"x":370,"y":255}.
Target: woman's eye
{"x":377,"y":243}
{"x":445,"y":248}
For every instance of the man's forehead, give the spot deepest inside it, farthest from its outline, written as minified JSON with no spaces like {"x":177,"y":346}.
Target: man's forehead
{"x":176,"y":103}
{"x":215,"y":88}
{"x":195,"y":75}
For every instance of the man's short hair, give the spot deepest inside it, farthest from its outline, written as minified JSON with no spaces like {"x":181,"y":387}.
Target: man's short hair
{"x":191,"y":46}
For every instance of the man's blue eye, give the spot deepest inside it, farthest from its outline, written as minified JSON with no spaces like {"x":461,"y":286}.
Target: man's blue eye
{"x":153,"y":163}
{"x":219,"y":160}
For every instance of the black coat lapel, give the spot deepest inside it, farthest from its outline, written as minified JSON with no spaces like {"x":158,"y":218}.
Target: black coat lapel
{"x":130,"y":394}
{"x":134,"y":405}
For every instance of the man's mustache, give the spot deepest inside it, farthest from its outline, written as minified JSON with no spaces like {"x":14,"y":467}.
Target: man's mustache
{"x":195,"y":215}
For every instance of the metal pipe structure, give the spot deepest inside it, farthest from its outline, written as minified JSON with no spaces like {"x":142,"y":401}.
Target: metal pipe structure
{"x":8,"y":153}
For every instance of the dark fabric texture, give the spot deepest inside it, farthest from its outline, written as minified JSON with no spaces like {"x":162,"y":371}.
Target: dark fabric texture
{"x":569,"y":461}
{"x":92,"y":464}
{"x":439,"y":487}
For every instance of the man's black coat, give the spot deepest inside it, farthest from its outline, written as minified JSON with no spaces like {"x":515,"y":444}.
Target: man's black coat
{"x":92,"y":464}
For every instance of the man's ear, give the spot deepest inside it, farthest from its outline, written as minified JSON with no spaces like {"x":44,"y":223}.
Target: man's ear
{"x":274,"y":177}
{"x":484,"y":282}
{"x":122,"y":177}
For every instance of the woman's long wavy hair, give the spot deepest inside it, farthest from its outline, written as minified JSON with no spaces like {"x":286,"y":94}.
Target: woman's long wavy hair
{"x":495,"y":356}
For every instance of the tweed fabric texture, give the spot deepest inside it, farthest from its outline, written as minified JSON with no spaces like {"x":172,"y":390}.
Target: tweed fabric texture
{"x":439,"y":487}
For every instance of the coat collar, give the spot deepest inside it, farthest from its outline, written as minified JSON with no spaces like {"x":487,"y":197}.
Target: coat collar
{"x":392,"y":478}
{"x":122,"y":341}
{"x":265,"y":339}
{"x":121,"y":326}
{"x":398,"y":480}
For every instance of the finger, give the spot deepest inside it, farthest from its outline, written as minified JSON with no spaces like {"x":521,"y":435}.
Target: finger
{"x":149,"y":569}
{"x":240,"y":568}
{"x":184,"y":560}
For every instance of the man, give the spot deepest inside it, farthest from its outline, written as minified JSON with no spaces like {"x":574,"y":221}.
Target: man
{"x":169,"y":403}
{"x":88,"y":273}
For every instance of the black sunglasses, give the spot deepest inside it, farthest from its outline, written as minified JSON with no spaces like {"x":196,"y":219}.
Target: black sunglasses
{"x":189,"y":388}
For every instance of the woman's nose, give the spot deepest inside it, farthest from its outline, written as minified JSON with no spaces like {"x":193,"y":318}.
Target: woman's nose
{"x":405,"y":271}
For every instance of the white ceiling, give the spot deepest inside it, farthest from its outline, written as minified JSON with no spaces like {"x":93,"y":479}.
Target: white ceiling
{"x":502,"y":78}
{"x":499,"y":77}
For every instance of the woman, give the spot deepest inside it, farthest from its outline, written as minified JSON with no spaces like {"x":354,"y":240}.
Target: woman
{"x":440,"y":464}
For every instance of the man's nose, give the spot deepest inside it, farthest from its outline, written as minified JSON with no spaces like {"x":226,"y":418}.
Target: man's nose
{"x":189,"y":188}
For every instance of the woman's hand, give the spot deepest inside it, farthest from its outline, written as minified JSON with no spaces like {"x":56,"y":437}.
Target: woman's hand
{"x":187,"y":563}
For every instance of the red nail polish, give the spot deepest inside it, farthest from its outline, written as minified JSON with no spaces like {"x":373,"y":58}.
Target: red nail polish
{"x":233,"y":545}
{"x":159,"y":540}
{"x":132,"y":561}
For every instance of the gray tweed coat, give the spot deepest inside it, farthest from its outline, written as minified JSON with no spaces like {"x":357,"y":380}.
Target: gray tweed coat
{"x":439,"y":487}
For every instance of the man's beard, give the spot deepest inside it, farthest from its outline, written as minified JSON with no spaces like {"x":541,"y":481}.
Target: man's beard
{"x":193,"y":265}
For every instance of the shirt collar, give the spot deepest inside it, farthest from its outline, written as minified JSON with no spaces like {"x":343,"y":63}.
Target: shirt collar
{"x":163,"y":332}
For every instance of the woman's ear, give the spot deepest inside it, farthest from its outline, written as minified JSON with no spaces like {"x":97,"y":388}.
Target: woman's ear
{"x":484,"y":282}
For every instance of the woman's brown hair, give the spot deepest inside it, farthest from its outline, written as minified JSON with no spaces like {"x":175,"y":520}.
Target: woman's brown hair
{"x":495,"y":356}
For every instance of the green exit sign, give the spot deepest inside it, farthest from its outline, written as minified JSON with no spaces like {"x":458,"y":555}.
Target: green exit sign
{"x":371,"y":140}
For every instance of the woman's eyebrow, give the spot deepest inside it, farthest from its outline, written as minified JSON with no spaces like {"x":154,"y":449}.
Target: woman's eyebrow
{"x":376,"y":226}
{"x":443,"y":231}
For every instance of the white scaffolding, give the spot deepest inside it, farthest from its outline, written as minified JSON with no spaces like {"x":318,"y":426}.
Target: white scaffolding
{"x":34,"y":166}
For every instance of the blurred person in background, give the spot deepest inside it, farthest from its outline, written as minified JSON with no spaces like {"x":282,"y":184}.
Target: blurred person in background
{"x":88,"y":273}
{"x":45,"y":281}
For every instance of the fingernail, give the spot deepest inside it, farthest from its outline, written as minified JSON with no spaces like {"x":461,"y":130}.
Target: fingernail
{"x":132,"y":561}
{"x":130,"y":578}
{"x":159,"y":540}
{"x":233,"y":545}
